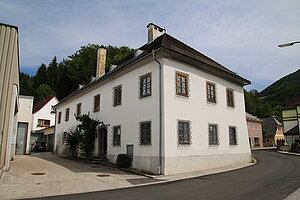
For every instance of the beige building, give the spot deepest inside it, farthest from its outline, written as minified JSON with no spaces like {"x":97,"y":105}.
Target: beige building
{"x":21,"y":144}
{"x":9,"y":89}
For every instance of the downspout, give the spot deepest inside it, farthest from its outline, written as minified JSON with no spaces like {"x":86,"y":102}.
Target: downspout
{"x":160,"y":112}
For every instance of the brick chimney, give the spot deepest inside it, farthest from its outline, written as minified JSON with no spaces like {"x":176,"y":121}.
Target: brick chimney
{"x":101,"y":61}
{"x":154,"y":31}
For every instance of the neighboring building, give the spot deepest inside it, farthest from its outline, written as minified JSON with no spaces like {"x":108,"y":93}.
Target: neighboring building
{"x":9,"y":90}
{"x":43,"y":122}
{"x":169,"y":107}
{"x":21,"y":143}
{"x":254,"y":125}
{"x":291,"y":119}
{"x":273,"y":132}
{"x":44,"y":135}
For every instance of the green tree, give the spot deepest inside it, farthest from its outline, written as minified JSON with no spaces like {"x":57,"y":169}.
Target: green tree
{"x":87,"y":128}
{"x":73,"y":139}
{"x":26,"y":84}
{"x":40,"y":76}
{"x":43,"y":92}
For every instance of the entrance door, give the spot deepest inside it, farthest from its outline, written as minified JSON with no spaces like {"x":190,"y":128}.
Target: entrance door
{"x":129,"y":150}
{"x":102,"y":145}
{"x":21,"y":138}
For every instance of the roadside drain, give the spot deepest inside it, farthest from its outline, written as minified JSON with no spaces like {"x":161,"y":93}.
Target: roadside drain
{"x":103,"y":175}
{"x":38,"y":173}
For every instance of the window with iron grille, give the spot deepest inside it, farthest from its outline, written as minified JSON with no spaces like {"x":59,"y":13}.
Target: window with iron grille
{"x":182,"y":85}
{"x":145,"y":85}
{"x":211,"y":92}
{"x":184,"y":133}
{"x":117,"y":95}
{"x":59,"y":118}
{"x":213,"y":134}
{"x":97,"y":103}
{"x":232,"y":136}
{"x":78,"y":112}
{"x":67,"y":114}
{"x":230,"y":98}
{"x":117,"y":135}
{"x":145,"y":133}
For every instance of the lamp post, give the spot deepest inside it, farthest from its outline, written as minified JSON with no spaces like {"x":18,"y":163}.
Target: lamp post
{"x":288,"y":44}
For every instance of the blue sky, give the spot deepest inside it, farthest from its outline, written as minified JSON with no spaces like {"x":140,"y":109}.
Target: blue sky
{"x":241,"y":35}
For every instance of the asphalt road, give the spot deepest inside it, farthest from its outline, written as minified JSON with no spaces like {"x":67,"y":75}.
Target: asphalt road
{"x":275,"y":176}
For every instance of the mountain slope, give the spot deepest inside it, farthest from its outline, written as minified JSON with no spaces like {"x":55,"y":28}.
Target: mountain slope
{"x":288,"y":86}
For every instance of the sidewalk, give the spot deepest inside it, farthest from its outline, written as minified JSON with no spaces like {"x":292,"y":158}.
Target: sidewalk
{"x":65,"y":176}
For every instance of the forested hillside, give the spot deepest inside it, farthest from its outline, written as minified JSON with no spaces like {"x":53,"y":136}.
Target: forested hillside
{"x":271,"y":100}
{"x":62,"y":78}
{"x":288,"y":86}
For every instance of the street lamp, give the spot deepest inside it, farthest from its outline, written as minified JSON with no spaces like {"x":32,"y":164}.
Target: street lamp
{"x":288,"y":44}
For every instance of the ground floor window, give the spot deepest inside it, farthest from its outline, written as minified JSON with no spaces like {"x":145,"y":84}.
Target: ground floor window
{"x":256,"y":141}
{"x":145,"y":133}
{"x":184,"y":132}
{"x":232,"y":136}
{"x":116,"y":135}
{"x":213,"y":135}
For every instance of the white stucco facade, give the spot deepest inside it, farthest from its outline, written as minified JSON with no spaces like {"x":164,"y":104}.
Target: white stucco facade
{"x":44,"y":113}
{"x":175,"y":158}
{"x":24,"y":116}
{"x":200,"y":113}
{"x":128,"y":115}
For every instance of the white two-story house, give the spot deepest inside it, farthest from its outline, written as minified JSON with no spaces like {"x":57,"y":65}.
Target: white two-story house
{"x":43,"y":121}
{"x":169,"y":107}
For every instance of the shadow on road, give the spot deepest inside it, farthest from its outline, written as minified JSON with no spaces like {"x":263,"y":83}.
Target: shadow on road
{"x":75,"y":165}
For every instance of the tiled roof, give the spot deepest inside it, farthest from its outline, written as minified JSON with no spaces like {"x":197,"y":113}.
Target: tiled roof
{"x":39,"y":105}
{"x":270,"y":125}
{"x":173,"y":45}
{"x":250,"y":117}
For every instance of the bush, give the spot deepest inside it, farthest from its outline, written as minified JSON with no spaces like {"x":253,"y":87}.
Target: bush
{"x":295,"y":147}
{"x":123,"y":161}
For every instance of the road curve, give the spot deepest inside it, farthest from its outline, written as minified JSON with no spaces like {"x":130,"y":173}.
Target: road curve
{"x":275,"y":176}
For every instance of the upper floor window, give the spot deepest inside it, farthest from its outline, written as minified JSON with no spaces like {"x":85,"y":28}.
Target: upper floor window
{"x":117,"y":94}
{"x":97,"y":103}
{"x":59,"y":118}
{"x":78,"y":109}
{"x":145,"y":85}
{"x":182,"y":85}
{"x":230,"y":98}
{"x":213,"y":134}
{"x":67,"y":114}
{"x":116,"y":135}
{"x":52,"y":109}
{"x":43,"y":123}
{"x":184,"y":132}
{"x":211,"y":92}
{"x":145,"y":133}
{"x":232,"y":136}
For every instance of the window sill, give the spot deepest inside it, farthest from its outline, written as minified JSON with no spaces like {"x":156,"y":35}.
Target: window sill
{"x":213,"y":145}
{"x":145,"y":97}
